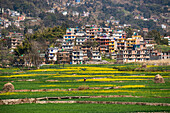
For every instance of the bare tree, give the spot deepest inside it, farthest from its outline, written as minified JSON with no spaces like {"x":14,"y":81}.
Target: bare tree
{"x":5,"y":56}
{"x":36,"y":49}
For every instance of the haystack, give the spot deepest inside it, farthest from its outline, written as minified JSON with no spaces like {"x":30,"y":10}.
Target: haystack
{"x":8,"y":87}
{"x":159,"y":79}
{"x":144,"y":66}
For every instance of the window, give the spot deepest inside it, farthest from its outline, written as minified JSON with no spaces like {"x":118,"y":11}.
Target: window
{"x":65,"y":36}
{"x":51,"y":50}
{"x":69,"y":36}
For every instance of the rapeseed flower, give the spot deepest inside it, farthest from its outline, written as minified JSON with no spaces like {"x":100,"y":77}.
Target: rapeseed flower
{"x":108,"y":79}
{"x":25,"y":75}
{"x":9,"y":93}
{"x":132,"y":86}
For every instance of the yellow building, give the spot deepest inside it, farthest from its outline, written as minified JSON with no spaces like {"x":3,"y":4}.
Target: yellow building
{"x":112,"y":46}
{"x":130,"y":42}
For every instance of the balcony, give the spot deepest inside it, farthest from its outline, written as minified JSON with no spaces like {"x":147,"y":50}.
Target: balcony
{"x":80,"y":58}
{"x":120,"y":45}
{"x":50,"y":55}
{"x":125,"y":57}
{"x":129,"y":46}
{"x":111,"y":48}
{"x":110,"y":43}
{"x":147,"y":56}
{"x":96,"y":58}
{"x":120,"y":42}
{"x":131,"y":43}
{"x":132,"y":57}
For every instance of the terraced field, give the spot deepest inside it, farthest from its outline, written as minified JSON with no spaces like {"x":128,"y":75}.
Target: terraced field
{"x":101,"y":80}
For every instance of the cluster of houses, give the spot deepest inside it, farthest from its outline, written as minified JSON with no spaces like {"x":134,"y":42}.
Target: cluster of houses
{"x":91,"y":43}
{"x":17,"y":17}
{"x":61,"y":5}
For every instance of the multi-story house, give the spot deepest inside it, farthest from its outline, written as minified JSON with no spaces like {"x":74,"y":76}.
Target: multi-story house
{"x":64,"y":57}
{"x":104,"y":49}
{"x":119,"y":34}
{"x":72,"y":30}
{"x":103,"y":40}
{"x":168,"y":38}
{"x":68,"y":45}
{"x":52,"y":54}
{"x":77,"y":55}
{"x":86,"y":52}
{"x":165,"y":55}
{"x":96,"y":56}
{"x":112,"y":46}
{"x":93,"y":30}
{"x":130,"y":42}
{"x":69,"y":37}
{"x":80,"y":40}
{"x":121,"y":43}
{"x":127,"y":56}
{"x":16,"y":39}
{"x":135,"y":56}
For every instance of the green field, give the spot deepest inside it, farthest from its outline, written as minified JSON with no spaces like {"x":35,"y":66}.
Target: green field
{"x":80,"y":108}
{"x":106,"y":80}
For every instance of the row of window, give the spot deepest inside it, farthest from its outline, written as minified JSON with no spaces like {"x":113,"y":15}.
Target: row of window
{"x":80,"y":39}
{"x":96,"y":57}
{"x":69,"y":36}
{"x":137,"y":59}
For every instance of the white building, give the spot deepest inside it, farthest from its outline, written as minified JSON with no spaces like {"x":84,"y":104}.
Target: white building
{"x":75,"y":13}
{"x":168,"y":37}
{"x":52,"y":54}
{"x":67,"y":45}
{"x":64,"y":13}
{"x":96,"y":56}
{"x":77,"y":57}
{"x":163,"y":26}
{"x":80,"y":40}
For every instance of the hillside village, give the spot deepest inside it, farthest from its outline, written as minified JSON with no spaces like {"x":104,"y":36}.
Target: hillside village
{"x":104,"y":42}
{"x":92,"y":43}
{"x":84,"y":56}
{"x":85,"y":44}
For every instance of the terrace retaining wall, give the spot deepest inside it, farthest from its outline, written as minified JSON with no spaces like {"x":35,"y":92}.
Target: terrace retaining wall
{"x":38,"y":100}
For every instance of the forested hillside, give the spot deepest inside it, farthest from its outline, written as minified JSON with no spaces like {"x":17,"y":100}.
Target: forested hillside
{"x":139,"y":13}
{"x":38,"y":8}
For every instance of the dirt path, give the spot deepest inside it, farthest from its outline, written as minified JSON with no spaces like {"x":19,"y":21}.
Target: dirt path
{"x":45,"y":100}
{"x":106,"y":102}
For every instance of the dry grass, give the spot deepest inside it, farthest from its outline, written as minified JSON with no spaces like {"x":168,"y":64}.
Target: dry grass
{"x":163,"y":62}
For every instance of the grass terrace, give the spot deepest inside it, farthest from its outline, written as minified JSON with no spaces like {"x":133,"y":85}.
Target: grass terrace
{"x":100,"y":80}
